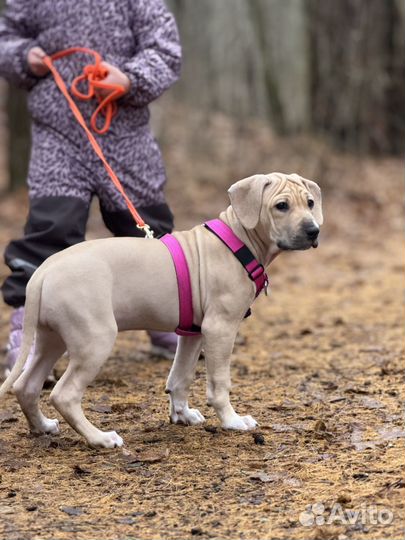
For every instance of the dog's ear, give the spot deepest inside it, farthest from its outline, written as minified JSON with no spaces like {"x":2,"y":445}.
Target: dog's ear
{"x":315,"y":191}
{"x":246,"y":198}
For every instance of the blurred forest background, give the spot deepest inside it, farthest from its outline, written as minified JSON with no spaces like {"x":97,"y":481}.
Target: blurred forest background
{"x":332,"y":69}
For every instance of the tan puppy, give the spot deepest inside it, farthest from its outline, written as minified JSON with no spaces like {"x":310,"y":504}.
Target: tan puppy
{"x":81,"y":297}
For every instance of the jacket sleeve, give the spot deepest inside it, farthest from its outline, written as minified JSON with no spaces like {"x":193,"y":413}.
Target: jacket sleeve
{"x":15,"y":42}
{"x":156,"y":65}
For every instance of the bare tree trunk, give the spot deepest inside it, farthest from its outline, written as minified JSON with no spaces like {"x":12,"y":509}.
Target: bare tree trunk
{"x":222,"y":57}
{"x":15,"y":136}
{"x":284,"y":43}
{"x":358,"y":72}
{"x":246,"y":58}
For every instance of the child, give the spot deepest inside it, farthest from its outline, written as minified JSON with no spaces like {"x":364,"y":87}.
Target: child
{"x":139,"y":42}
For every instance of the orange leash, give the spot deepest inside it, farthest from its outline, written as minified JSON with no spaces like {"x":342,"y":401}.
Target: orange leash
{"x":94,"y":74}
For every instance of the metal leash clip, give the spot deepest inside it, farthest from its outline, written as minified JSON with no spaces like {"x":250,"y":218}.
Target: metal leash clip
{"x":147,"y":230}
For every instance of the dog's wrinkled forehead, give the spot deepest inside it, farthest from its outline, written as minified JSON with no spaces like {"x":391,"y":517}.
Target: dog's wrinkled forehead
{"x":286,"y":183}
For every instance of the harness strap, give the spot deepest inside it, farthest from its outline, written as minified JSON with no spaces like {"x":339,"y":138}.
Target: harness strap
{"x":254,"y":269}
{"x":186,"y":326}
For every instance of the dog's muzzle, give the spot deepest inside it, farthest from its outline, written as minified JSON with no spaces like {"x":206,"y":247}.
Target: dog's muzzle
{"x":305,"y":240}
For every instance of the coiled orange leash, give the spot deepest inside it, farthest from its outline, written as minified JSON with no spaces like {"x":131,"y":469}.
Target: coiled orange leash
{"x":94,"y":74}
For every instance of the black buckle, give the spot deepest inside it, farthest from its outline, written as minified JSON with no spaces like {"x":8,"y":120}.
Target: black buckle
{"x":244,"y":255}
{"x":250,"y":274}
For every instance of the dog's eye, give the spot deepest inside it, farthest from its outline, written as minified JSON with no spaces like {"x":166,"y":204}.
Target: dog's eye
{"x":310,"y":203}
{"x":282,"y":206}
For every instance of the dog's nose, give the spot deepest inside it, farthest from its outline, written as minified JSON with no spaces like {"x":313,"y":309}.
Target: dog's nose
{"x":312,"y":232}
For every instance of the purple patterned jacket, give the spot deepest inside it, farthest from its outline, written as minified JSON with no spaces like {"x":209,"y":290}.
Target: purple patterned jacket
{"x":138,"y":36}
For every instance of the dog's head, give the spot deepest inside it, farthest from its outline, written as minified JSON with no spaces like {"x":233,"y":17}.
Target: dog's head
{"x":286,"y":206}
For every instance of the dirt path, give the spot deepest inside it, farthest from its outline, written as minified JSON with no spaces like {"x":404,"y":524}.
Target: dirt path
{"x":319,"y":365}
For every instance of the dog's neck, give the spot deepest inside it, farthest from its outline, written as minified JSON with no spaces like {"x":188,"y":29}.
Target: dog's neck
{"x":264,"y":250}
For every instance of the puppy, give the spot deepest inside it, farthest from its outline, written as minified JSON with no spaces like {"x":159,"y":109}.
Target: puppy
{"x":79,"y":299}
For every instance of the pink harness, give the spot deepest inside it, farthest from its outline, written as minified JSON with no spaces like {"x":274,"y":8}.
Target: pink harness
{"x":254,"y":269}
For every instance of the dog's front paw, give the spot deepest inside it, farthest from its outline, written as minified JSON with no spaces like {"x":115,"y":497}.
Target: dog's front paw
{"x":189,"y":417}
{"x":46,"y":425}
{"x":51,"y":426}
{"x":240,"y":423}
{"x":107,"y":439}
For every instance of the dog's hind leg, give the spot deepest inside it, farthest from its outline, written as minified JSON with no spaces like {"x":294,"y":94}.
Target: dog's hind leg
{"x":180,"y":379}
{"x":49,"y":347}
{"x":87,"y":353}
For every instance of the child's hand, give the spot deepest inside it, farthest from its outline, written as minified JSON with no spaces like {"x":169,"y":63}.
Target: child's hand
{"x":35,"y":59}
{"x":115,"y":76}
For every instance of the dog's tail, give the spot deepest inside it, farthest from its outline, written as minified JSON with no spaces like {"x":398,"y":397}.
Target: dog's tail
{"x":31,"y":316}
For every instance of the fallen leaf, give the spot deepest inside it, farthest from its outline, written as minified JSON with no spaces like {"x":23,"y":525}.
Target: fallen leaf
{"x":260,"y":475}
{"x":287,"y":404}
{"x":329,"y":385}
{"x":372,"y":350}
{"x":265,"y":477}
{"x":153,"y":439}
{"x":8,"y":416}
{"x":364,"y":445}
{"x":101,"y":408}
{"x":400,"y":483}
{"x":390,"y":434}
{"x":281,"y":428}
{"x":211,"y":429}
{"x":6,"y":510}
{"x":336,"y":399}
{"x":320,"y":425}
{"x":327,"y":456}
{"x":292,"y":482}
{"x":361,"y":476}
{"x":356,"y":390}
{"x":126,"y":521}
{"x":72,"y":510}
{"x":370,"y":403}
{"x":134,"y":460}
{"x":356,"y":438}
{"x":79,"y":471}
{"x":155,"y":427}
